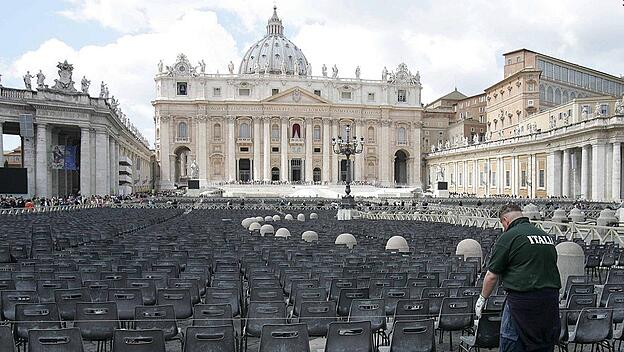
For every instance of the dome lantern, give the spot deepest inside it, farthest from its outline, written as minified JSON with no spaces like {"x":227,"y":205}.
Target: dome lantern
{"x":274,"y":26}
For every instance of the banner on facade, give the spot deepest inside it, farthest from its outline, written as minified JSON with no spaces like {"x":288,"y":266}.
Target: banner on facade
{"x":58,"y":157}
{"x":70,"y":157}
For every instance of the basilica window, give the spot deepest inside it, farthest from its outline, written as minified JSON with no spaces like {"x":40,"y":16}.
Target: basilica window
{"x":216,"y":91}
{"x":274,"y":91}
{"x":316,"y":174}
{"x":216,"y":132}
{"x":316,"y":134}
{"x":182,"y":131}
{"x":371,"y":134}
{"x":401,"y":135}
{"x":244,"y":92}
{"x":564,"y":97}
{"x":296,"y":130}
{"x":557,"y":96}
{"x":572,"y":96}
{"x":182,"y":88}
{"x":371,"y":96}
{"x":401,"y":96}
{"x":317,"y":92}
{"x":243,"y":131}
{"x":345,"y":95}
{"x":275,"y":132}
{"x":550,"y":95}
{"x":542,"y":92}
{"x":604,"y":109}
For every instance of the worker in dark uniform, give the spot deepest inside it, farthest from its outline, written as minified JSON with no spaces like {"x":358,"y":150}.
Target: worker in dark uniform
{"x":524,"y":259}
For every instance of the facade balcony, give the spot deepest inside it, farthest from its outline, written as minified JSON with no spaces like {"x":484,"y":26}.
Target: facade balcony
{"x":297,"y":141}
{"x":125,"y":169}
{"x":243,"y":140}
{"x":182,"y":139}
{"x":125,"y":180}
{"x":124,"y":160}
{"x":402,"y":143}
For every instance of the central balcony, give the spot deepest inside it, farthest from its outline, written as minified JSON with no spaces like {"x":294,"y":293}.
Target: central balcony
{"x":297,"y":141}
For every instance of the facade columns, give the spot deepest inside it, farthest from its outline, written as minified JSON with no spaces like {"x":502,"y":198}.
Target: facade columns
{"x":553,"y":173}
{"x":585,"y":172}
{"x":417,"y":160}
{"x":266,"y":140}
{"x":357,"y":158}
{"x":500,"y":175}
{"x":284,"y":149}
{"x":326,"y":149}
{"x":231,"y":149}
{"x":1,"y":146}
{"x":42,"y":161}
{"x":384,"y":158}
{"x":616,"y":177}
{"x":335,"y":172}
{"x":598,"y":171}
{"x":533,"y":161}
{"x":202,"y":149}
{"x":257,"y":146}
{"x":85,"y":161}
{"x":308,"y":166}
{"x":165,"y":164}
{"x":102,"y":174}
{"x":514,"y":176}
{"x":111,"y":160}
{"x":565,"y":174}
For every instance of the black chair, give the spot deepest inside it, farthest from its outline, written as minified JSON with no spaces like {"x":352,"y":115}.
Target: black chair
{"x":35,"y":316}
{"x":66,"y":301}
{"x":138,"y":341}
{"x":346,"y":296}
{"x":97,"y":321}
{"x":158,"y":318}
{"x":411,"y":309}
{"x":46,"y":288}
{"x":435,"y":295}
{"x":147,"y":287}
{"x":307,"y":295}
{"x":455,"y":315}
{"x":218,"y":338}
{"x":317,"y":316}
{"x":495,"y":303}
{"x":607,"y":290}
{"x":337,"y":284}
{"x":212,"y":315}
{"x":487,"y":333}
{"x":371,"y":310}
{"x":192,"y":285}
{"x":349,"y":336}
{"x":616,"y":303}
{"x":13,"y":297}
{"x":179,"y":298}
{"x":285,"y":337}
{"x":593,"y":327}
{"x":391,"y":295}
{"x":413,"y":336}
{"x":576,"y":303}
{"x":127,"y":299}
{"x":260,"y":314}
{"x":55,"y":340}
{"x":7,"y":344}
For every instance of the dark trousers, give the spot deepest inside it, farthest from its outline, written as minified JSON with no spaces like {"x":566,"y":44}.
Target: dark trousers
{"x":509,"y":339}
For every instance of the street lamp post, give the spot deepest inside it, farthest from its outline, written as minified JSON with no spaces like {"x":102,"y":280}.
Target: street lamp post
{"x":347,"y":147}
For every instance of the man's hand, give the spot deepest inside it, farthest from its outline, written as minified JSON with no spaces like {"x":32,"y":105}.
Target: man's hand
{"x":479,"y":306}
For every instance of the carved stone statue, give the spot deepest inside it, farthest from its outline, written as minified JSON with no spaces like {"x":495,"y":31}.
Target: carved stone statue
{"x":283,"y":67}
{"x":433,"y":148}
{"x":40,"y":80}
{"x":439,"y":145}
{"x":357,"y":72}
{"x":231,"y":67}
{"x":256,"y":67}
{"x":194,"y":169}
{"x":84,"y":85}
{"x":27,"y":78}
{"x":584,"y":111}
{"x":296,"y":68}
{"x":102,"y":90}
{"x":417,"y":77}
{"x":202,"y":66}
{"x":65,"y":82}
{"x":447,"y":145}
{"x":309,"y":69}
{"x":266,"y":67}
{"x":335,"y":71}
{"x":619,"y":106}
{"x":324,"y":70}
{"x":597,"y":110}
{"x":160,"y":66}
{"x":475,"y":139}
{"x":384,"y":74}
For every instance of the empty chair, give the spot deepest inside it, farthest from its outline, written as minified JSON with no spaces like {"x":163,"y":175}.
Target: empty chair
{"x":138,"y":341}
{"x":97,"y":321}
{"x":66,"y":301}
{"x":317,"y":316}
{"x":7,"y":344}
{"x":411,"y":309}
{"x":218,"y":338}
{"x":487,"y":333}
{"x":346,"y":296}
{"x":580,"y":289}
{"x":266,"y":294}
{"x":191,"y":284}
{"x":616,"y":303}
{"x":372,"y":310}
{"x":212,"y":315}
{"x":338,"y":284}
{"x":284,"y":338}
{"x":98,"y":289}
{"x":157,"y":317}
{"x":413,"y":336}
{"x":308,"y":295}
{"x":127,"y":299}
{"x":578,"y":302}
{"x":494,"y":303}
{"x":35,"y":316}
{"x":349,"y":336}
{"x":609,"y":289}
{"x":224,"y":296}
{"x":54,"y":340}
{"x":46,"y":288}
{"x":179,"y":298}
{"x":147,"y":287}
{"x":391,"y":295}
{"x":262,"y":313}
{"x":455,"y":315}
{"x":13,"y":297}
{"x":435,"y":295}
{"x":593,"y":327}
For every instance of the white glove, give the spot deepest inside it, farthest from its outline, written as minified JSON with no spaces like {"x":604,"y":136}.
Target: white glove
{"x":479,"y":306}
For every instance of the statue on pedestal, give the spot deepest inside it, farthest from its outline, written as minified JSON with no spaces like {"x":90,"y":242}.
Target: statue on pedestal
{"x":296,"y":68}
{"x":40,"y":80}
{"x":102,"y":90}
{"x":335,"y":71}
{"x":324,"y":70}
{"x":194,"y":169}
{"x":85,"y":83}
{"x":160,"y":66}
{"x":619,"y":106}
{"x":202,"y":66}
{"x":597,"y":110}
{"x":283,"y":67}
{"x":231,"y":67}
{"x":27,"y":78}
{"x":357,"y":72}
{"x":384,"y":74}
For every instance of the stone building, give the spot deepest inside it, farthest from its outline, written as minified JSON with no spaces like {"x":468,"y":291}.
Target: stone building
{"x":74,"y":143}
{"x":564,"y":143}
{"x":273,"y":120}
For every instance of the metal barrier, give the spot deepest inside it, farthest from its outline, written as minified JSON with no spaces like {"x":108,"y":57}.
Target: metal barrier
{"x":49,"y":209}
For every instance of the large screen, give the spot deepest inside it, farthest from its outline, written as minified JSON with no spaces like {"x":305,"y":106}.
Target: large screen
{"x":13,"y":181}
{"x":442,"y":186}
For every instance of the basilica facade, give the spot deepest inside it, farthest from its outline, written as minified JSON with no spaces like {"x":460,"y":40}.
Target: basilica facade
{"x":273,"y":120}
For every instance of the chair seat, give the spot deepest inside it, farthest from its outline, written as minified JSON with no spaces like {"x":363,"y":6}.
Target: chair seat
{"x":468,"y":340}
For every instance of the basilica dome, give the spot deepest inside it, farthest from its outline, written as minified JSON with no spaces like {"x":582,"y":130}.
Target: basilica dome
{"x":274,"y":53}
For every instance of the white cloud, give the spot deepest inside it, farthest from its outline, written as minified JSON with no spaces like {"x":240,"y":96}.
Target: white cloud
{"x":128,"y":65}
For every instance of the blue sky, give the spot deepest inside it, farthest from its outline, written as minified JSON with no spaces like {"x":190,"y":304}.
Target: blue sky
{"x":450,"y":43}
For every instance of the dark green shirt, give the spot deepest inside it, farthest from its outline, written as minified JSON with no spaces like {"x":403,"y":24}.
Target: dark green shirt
{"x":525,"y":258}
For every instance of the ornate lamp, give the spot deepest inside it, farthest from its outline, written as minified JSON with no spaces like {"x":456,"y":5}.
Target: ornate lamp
{"x":347,"y":147}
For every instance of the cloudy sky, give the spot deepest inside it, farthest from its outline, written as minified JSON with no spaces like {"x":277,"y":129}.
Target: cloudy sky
{"x":452,"y":43}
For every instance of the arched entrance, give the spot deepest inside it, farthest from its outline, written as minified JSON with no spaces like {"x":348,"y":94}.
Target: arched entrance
{"x":182,"y":163}
{"x":275,"y":174}
{"x":400,"y":167}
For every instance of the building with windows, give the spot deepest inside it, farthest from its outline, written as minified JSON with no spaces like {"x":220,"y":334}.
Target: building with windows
{"x":273,"y":120}
{"x":72,"y":142}
{"x":547,"y":134}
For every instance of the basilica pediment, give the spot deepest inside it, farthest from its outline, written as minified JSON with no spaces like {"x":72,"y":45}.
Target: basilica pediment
{"x":296,"y":95}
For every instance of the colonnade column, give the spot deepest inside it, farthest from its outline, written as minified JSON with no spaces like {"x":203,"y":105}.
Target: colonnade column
{"x":598,"y":171}
{"x":553,"y":173}
{"x":384,"y":158}
{"x":308,"y":150}
{"x":514,"y":175}
{"x":111,"y":161}
{"x":266,"y":140}
{"x":231,"y":150}
{"x":202,"y":148}
{"x":284,"y":148}
{"x":565,"y":174}
{"x":416,"y":165}
{"x":257,"y":146}
{"x":616,"y":177}
{"x":85,"y":161}
{"x":533,"y":161}
{"x":102,"y":174}
{"x":585,"y":172}
{"x":1,"y":146}
{"x":335,"y":172}
{"x":475,"y":176}
{"x":500,"y":175}
{"x":358,"y":159}
{"x":326,"y":149}
{"x":41,"y":170}
{"x":164,"y":143}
